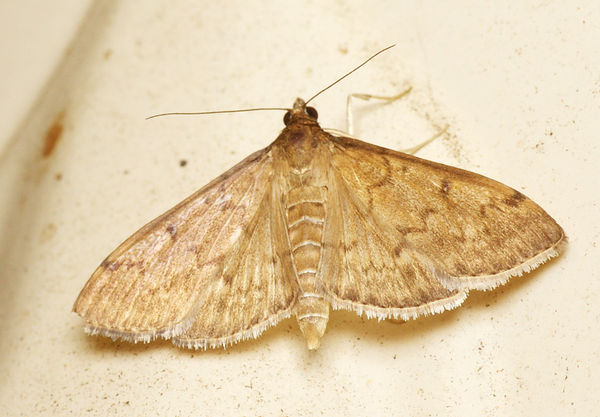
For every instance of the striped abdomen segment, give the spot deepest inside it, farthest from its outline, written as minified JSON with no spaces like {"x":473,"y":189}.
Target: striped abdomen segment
{"x":306,"y":209}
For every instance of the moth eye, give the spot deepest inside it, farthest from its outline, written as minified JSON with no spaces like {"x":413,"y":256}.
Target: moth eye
{"x":312,"y":112}
{"x":287,"y":118}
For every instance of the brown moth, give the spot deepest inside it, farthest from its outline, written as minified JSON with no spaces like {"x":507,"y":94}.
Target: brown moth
{"x":315,"y":221}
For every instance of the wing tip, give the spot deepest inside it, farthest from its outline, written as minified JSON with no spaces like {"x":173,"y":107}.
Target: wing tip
{"x":490,"y":282}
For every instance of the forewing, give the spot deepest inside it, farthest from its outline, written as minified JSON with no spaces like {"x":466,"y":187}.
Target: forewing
{"x":151,"y":285}
{"x":479,"y":231}
{"x":370,"y":268}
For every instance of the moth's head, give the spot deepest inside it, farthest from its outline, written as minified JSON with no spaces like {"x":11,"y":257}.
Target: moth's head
{"x":300,"y":111}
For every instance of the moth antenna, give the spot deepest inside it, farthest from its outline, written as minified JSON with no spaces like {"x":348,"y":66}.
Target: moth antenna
{"x":345,"y":75}
{"x":268,"y":108}
{"x":216,"y":112}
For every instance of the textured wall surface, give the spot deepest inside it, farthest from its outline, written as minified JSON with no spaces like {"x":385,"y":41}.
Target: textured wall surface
{"x":82,"y":169}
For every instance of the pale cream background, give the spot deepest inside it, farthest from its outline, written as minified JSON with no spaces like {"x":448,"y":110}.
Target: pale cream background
{"x":518,"y":84}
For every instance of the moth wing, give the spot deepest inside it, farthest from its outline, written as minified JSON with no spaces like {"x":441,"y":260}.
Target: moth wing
{"x":155,"y":282}
{"x":370,"y":268}
{"x":480,"y":232}
{"x":255,"y":288}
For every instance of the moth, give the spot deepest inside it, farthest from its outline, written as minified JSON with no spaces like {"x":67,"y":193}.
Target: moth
{"x":311,"y":222}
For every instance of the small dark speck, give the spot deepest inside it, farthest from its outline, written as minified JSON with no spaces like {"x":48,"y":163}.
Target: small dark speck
{"x":445,"y":186}
{"x":183,"y":162}
{"x":58,"y":176}
{"x":126,"y":172}
{"x":110,"y":265}
{"x":514,"y":199}
{"x":172,"y":229}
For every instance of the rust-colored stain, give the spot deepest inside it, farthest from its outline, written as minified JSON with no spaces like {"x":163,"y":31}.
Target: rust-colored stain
{"x":53,"y":135}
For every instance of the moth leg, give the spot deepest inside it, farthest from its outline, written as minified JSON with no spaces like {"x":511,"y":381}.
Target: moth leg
{"x":413,"y":150}
{"x":366,"y":97}
{"x":388,"y":99}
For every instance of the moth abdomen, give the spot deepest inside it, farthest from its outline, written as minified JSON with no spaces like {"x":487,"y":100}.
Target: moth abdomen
{"x":306,"y":210}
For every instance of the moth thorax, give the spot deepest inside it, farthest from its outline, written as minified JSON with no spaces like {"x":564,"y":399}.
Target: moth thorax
{"x":305,"y":210}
